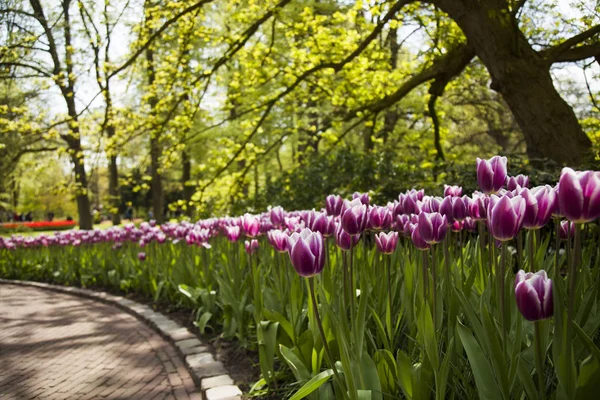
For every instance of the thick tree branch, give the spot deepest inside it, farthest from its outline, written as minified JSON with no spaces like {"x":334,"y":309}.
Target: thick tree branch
{"x":575,"y":54}
{"x":556,"y":51}
{"x":444,"y":68}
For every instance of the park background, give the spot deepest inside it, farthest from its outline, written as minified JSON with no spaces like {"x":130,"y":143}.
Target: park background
{"x":113,"y":109}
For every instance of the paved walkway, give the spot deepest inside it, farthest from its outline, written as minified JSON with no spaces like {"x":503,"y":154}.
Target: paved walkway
{"x":60,"y":346}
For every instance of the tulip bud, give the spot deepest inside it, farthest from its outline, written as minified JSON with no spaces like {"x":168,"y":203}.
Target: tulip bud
{"x":533,"y":293}
{"x":307,"y":252}
{"x":386,"y":242}
{"x":141,"y":256}
{"x":491,"y":174}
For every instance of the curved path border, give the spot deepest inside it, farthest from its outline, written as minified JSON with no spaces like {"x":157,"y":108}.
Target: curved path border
{"x":210,"y":375}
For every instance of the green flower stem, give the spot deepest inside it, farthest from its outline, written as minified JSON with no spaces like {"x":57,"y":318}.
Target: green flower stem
{"x":434,"y":275}
{"x":539,"y":360}
{"x":530,"y":250}
{"x":556,"y":250}
{"x":345,"y":297}
{"x":425,"y":277}
{"x":481,"y":228}
{"x":389,"y":285}
{"x":501,"y":280}
{"x":311,"y":284}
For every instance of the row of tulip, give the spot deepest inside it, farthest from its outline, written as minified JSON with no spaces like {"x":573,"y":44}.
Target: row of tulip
{"x":424,"y":297}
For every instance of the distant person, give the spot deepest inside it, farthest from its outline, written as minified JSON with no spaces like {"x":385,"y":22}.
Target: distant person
{"x":129,"y":213}
{"x":50,"y":216}
{"x":29,"y":217}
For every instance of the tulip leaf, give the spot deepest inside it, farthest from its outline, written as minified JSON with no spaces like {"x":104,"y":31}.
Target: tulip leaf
{"x":386,"y":370}
{"x":298,"y":368}
{"x":427,"y":332}
{"x":525,"y":376}
{"x":404,"y":372}
{"x":312,"y":385}
{"x":283,"y":322}
{"x":482,"y":370}
{"x":442,"y":376}
{"x":369,"y":377}
{"x":588,"y":384}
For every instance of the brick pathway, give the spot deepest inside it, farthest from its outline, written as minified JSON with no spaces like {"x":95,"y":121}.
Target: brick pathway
{"x":60,"y":346}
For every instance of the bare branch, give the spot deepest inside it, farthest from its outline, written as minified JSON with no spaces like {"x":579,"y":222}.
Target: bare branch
{"x":37,"y":69}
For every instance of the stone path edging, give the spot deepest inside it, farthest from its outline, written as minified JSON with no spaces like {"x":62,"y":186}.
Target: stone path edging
{"x":209,"y":374}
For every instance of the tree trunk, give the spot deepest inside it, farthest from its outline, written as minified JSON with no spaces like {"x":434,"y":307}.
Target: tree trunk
{"x":113,"y":190}
{"x":83,"y":201}
{"x":522,"y":77}
{"x":155,"y":149}
{"x":186,"y":176}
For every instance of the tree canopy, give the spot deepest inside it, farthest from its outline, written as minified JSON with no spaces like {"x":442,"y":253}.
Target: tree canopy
{"x":212,"y":106}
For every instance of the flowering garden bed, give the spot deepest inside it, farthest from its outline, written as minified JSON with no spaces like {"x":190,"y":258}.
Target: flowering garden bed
{"x":37,"y":226}
{"x":495,"y":295}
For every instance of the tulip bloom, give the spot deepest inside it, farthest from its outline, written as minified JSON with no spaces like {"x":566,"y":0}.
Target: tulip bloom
{"x":307,"y":252}
{"x":515,"y":182}
{"x":447,"y":209}
{"x":251,"y":225}
{"x":540,"y":204}
{"x":379,"y":218}
{"x":455,"y":191}
{"x":141,"y":256}
{"x":363,"y":197}
{"x":579,"y":195}
{"x":277,"y":216}
{"x":432,"y":227}
{"x":567,"y":230}
{"x":417,"y":239}
{"x":279,"y":240}
{"x":355,"y":218}
{"x":505,"y":216}
{"x":386,"y":242}
{"x":344,"y":240}
{"x":491,"y":174}
{"x":333,"y":205}
{"x":233,"y":233}
{"x":251,"y":246}
{"x":478,"y":207}
{"x":533,"y":293}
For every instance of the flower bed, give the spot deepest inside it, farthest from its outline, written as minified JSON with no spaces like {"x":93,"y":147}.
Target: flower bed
{"x":37,"y":226}
{"x":495,"y":295}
